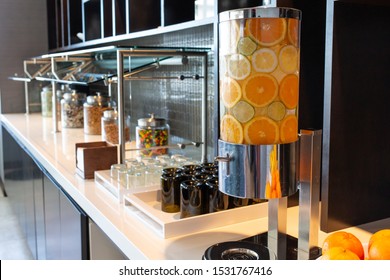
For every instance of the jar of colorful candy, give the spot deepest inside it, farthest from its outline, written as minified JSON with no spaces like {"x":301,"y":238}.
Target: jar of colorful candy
{"x":151,"y":133}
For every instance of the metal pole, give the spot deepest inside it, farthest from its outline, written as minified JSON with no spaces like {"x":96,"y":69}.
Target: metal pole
{"x":277,"y":226}
{"x":204,"y":110}
{"x":309,"y":193}
{"x":121,"y":108}
{"x":54,"y":106}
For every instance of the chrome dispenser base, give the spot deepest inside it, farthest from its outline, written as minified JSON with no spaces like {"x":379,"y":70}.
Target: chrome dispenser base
{"x":258,"y":171}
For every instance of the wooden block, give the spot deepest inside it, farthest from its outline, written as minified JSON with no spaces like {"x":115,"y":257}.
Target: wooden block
{"x":93,"y":156}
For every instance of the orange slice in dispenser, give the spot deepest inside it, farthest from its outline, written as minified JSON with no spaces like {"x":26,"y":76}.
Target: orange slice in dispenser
{"x":266,"y":31}
{"x":264,"y":60}
{"x":230,"y":92}
{"x":261,"y":130}
{"x":260,"y":90}
{"x":231,"y":130}
{"x":292,"y":31}
{"x":238,"y":66}
{"x":288,"y":91}
{"x":288,"y":59}
{"x":289,"y":129}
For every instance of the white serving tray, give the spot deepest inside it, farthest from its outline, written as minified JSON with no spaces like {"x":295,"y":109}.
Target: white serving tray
{"x":114,"y":188}
{"x":147,"y":207}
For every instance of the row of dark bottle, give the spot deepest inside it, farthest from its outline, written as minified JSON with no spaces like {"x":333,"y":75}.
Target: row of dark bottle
{"x":193,"y":190}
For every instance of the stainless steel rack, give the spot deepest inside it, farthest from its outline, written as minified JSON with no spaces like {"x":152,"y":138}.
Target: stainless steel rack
{"x":113,"y":64}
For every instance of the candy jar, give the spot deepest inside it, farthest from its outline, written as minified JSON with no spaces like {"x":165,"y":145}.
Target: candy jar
{"x":152,"y":132}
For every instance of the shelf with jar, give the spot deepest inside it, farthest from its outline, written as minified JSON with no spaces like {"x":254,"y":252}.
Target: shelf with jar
{"x":110,"y":67}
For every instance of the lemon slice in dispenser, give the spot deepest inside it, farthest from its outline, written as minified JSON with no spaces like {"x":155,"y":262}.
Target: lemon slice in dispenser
{"x":238,"y":66}
{"x":243,"y":111}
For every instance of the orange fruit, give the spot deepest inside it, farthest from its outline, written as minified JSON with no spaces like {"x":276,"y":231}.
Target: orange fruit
{"x":289,"y":89}
{"x":379,"y":235}
{"x":230,"y":92}
{"x":345,"y":240}
{"x":261,"y":130}
{"x":379,"y":245}
{"x":260,"y":89}
{"x":289,"y":129}
{"x":288,"y":59}
{"x":231,"y":130}
{"x":380,"y":249}
{"x":266,"y":31}
{"x":293,"y":31}
{"x":339,"y":253}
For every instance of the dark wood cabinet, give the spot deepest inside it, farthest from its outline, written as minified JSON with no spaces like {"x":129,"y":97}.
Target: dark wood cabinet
{"x":56,"y":228}
{"x":356,"y":153}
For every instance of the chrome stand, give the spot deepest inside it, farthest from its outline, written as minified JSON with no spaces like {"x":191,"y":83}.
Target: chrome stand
{"x":244,"y":172}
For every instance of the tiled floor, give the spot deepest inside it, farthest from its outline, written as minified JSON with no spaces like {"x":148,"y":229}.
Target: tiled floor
{"x":13,"y":245}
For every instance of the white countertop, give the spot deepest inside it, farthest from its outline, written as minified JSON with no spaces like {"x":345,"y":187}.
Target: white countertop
{"x":56,"y":153}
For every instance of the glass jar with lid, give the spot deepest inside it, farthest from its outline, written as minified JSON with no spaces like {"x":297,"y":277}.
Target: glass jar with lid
{"x":46,"y":101}
{"x":110,"y":127}
{"x":94,"y":107}
{"x":72,"y":115}
{"x":150,"y":133}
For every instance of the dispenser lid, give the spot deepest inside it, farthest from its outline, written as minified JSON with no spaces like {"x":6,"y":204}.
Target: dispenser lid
{"x":260,"y":12}
{"x":152,"y":121}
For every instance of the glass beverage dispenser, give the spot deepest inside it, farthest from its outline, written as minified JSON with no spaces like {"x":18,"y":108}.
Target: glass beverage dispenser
{"x":259,"y":93}
{"x":259,"y":60}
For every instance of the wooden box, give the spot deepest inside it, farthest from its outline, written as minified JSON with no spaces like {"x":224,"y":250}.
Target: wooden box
{"x":94,"y":156}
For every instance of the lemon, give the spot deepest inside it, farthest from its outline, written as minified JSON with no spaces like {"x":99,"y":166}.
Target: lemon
{"x":264,"y":60}
{"x":246,"y":46}
{"x":276,"y":111}
{"x":230,"y":92}
{"x":288,"y":59}
{"x":238,"y":66}
{"x":243,"y":111}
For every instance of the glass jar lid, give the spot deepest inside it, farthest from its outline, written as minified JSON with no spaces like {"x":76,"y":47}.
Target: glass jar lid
{"x":74,"y":95}
{"x":110,"y":114}
{"x":98,"y":100}
{"x":46,"y":89}
{"x":152,"y":121}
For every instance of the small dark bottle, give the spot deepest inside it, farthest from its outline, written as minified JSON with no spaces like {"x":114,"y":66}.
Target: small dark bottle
{"x":218,"y":201}
{"x":191,"y":200}
{"x":170,"y":192}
